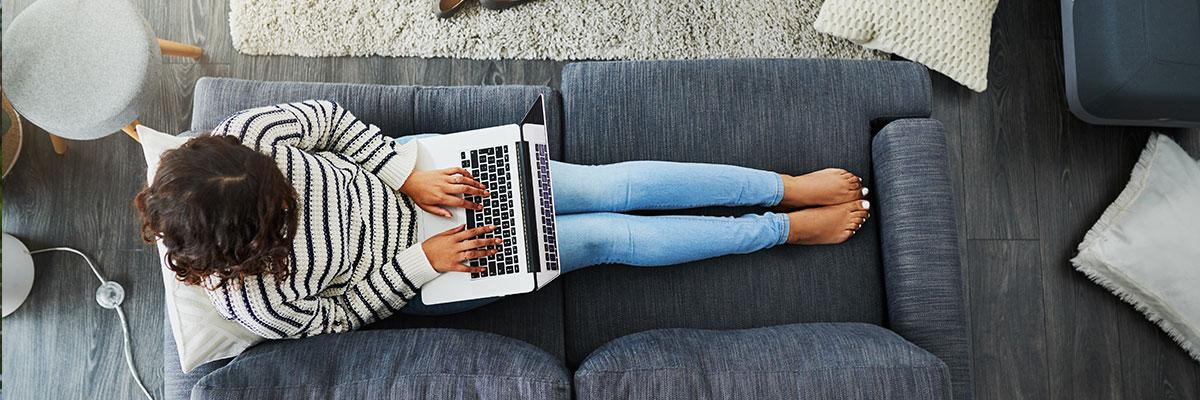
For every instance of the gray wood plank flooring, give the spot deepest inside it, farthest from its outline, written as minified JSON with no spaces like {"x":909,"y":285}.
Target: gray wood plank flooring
{"x":1005,"y":272}
{"x":1029,"y":178}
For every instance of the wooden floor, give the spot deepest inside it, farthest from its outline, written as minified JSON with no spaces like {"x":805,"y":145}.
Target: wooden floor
{"x":1030,"y":180}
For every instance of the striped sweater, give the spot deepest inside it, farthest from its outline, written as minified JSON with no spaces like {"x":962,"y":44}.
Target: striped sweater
{"x":355,"y":258}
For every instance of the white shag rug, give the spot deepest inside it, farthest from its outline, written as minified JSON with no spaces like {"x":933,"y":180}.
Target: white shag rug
{"x":541,"y":29}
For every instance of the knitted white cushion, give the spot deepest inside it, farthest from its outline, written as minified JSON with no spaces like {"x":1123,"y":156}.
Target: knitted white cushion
{"x":951,"y":37}
{"x":201,"y":333}
{"x":1144,"y":248}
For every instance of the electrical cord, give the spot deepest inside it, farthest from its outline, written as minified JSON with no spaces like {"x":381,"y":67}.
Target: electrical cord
{"x":109,"y":295}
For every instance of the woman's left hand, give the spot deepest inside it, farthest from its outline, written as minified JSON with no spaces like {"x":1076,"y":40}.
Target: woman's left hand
{"x":433,"y":190}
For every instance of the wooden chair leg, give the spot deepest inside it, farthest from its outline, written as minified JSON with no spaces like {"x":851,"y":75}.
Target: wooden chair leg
{"x":60,"y":144}
{"x":177,"y":49}
{"x":131,"y":130}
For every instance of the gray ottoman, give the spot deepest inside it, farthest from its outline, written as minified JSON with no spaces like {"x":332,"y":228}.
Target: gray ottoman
{"x":390,"y":364}
{"x":1133,"y":62}
{"x":799,"y":361}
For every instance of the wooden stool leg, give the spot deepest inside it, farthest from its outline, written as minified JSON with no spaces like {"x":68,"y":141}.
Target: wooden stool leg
{"x":131,"y":130}
{"x":60,"y":144}
{"x":170,"y":48}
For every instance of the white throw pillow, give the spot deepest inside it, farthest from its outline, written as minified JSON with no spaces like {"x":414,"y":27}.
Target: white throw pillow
{"x":951,"y":37}
{"x":201,"y":333}
{"x":1146,"y":246}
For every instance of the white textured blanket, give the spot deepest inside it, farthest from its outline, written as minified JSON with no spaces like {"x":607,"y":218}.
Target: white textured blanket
{"x":542,"y":29}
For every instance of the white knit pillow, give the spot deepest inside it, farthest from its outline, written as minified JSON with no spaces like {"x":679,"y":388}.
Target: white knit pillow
{"x":201,"y":333}
{"x":951,"y":37}
{"x":1146,"y":246}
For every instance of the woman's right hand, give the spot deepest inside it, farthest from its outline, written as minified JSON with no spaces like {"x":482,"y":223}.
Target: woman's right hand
{"x":449,"y":250}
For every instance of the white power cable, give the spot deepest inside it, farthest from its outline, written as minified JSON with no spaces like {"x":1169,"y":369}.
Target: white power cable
{"x":109,"y":295}
{"x":70,"y":250}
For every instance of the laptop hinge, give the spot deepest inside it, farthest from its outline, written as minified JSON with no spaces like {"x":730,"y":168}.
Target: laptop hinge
{"x":527,"y":209}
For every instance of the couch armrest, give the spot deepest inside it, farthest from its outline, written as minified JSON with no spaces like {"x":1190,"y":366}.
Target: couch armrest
{"x":918,"y":236}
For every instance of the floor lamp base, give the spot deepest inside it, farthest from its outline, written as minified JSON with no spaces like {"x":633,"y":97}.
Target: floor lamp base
{"x":18,"y":273}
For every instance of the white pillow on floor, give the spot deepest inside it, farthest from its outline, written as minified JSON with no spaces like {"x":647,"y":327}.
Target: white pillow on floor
{"x":1146,"y":246}
{"x":951,"y":37}
{"x":201,"y":333}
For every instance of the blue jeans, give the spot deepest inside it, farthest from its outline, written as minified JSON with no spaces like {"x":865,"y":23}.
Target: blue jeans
{"x":589,"y":202}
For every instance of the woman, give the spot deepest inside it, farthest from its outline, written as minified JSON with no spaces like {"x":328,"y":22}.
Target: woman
{"x":299,"y":219}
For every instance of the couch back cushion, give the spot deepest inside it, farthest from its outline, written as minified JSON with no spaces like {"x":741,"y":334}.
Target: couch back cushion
{"x":406,"y":110}
{"x":390,"y":364}
{"x":844,"y":361}
{"x":790,"y":116}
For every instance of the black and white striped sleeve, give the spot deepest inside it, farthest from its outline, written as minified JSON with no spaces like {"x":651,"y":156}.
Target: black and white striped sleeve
{"x":318,"y":125}
{"x":255,"y":304}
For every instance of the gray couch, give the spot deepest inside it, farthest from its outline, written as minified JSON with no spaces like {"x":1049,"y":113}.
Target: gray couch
{"x":879,"y":317}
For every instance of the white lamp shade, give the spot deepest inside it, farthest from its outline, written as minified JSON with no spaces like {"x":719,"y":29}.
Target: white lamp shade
{"x":18,"y":273}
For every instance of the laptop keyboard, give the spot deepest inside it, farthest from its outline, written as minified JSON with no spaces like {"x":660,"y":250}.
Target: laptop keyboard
{"x":490,"y":166}
{"x":543,"y":161}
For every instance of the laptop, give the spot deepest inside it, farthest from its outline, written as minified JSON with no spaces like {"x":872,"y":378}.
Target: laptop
{"x":513,"y":162}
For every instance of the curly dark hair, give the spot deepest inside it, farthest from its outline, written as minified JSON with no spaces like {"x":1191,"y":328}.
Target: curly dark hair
{"x":222,"y":210}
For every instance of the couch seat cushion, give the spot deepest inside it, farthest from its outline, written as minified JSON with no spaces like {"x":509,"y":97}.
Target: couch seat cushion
{"x":789,"y":116}
{"x":807,"y":361}
{"x":391,"y":364}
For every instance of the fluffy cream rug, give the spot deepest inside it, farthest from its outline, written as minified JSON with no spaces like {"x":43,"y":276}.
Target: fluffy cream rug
{"x":542,"y":29}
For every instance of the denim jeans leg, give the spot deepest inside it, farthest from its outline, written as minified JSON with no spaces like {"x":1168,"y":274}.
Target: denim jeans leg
{"x":660,"y":185}
{"x":649,"y":241}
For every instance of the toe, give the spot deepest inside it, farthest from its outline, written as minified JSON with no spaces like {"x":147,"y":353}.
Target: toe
{"x":831,"y":172}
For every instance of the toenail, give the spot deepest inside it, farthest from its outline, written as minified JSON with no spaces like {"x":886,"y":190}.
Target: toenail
{"x":865,"y":191}
{"x":866,"y":205}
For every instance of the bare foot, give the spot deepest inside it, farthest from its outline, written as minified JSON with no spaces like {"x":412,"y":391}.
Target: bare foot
{"x":829,"y":224}
{"x":821,"y":188}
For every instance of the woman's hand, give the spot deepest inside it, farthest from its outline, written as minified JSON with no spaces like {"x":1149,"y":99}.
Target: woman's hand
{"x":432,"y":190}
{"x":447,"y":251}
